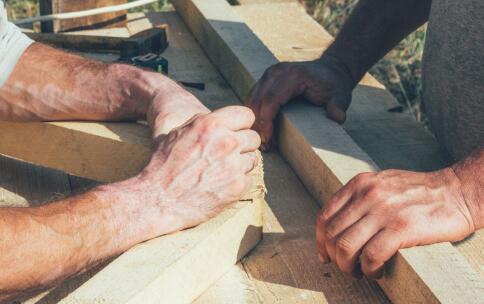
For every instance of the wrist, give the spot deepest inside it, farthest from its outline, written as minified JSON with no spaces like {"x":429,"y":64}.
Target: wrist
{"x":341,"y":67}
{"x":136,"y":212}
{"x":346,"y":61}
{"x":134,"y":88}
{"x":468,"y":173}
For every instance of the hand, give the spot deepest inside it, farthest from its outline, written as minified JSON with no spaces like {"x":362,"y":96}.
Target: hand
{"x":324,"y":82}
{"x":376,"y":214}
{"x":198,"y":169}
{"x":172,"y":107}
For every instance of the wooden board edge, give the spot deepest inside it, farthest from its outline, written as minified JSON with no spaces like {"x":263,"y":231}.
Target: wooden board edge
{"x":199,"y":265}
{"x":204,"y":18}
{"x":104,"y":152}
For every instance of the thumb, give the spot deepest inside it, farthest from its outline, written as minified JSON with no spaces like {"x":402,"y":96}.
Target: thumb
{"x":337,"y":106}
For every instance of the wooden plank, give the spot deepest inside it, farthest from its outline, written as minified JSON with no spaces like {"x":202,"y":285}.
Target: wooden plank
{"x":392,"y":140}
{"x":190,"y":260}
{"x":64,"y":6}
{"x":241,"y":58}
{"x":175,"y":268}
{"x":104,"y":152}
{"x":288,"y":213}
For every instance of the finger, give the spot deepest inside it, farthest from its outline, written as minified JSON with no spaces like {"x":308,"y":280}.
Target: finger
{"x":269,"y":108}
{"x":378,"y":251}
{"x":337,"y":106}
{"x":331,"y":249}
{"x":277,"y":86}
{"x":320,"y":240}
{"x":349,"y":214}
{"x":249,"y":140}
{"x":344,"y":195}
{"x":250,"y":161}
{"x":336,"y":202}
{"x":350,"y":243}
{"x":234,"y":117}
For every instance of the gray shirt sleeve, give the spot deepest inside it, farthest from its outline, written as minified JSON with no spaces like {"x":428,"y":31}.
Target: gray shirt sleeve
{"x":12,"y":45}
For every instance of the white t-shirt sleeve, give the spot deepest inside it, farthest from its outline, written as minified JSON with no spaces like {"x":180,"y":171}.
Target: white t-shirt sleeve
{"x":13,"y":43}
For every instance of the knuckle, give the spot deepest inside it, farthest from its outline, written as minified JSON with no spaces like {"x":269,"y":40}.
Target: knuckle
{"x":371,"y":257}
{"x":375,"y":192}
{"x":344,"y":247}
{"x":360,"y":179}
{"x":330,"y":231}
{"x":206,"y":124}
{"x":229,"y":143}
{"x":281,"y":66}
{"x":321,"y":219}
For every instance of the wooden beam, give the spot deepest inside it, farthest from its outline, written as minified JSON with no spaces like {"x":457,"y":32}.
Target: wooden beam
{"x":63,"y":6}
{"x":178,"y":268}
{"x":174,"y":268}
{"x":323,"y":154}
{"x":104,"y":152}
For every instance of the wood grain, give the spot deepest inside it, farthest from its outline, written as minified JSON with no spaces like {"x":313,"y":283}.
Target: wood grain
{"x":288,"y":214}
{"x":215,"y":24}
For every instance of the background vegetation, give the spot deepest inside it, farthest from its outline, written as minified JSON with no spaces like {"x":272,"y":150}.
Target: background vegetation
{"x":400,"y":71}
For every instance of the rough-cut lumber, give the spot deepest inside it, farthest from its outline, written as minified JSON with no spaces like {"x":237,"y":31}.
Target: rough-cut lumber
{"x":284,"y":267}
{"x":392,"y":140}
{"x":104,"y":152}
{"x":175,"y":268}
{"x":317,"y":147}
{"x":64,"y":6}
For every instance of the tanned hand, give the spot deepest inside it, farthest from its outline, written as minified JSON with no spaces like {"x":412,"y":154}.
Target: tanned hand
{"x":376,"y":214}
{"x":323,"y":82}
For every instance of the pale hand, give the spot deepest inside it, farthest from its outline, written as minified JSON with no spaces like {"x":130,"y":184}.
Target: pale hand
{"x":197,"y":170}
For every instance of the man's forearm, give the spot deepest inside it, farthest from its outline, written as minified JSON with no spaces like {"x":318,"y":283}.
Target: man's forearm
{"x":373,"y":29}
{"x":41,"y":246}
{"x":50,"y":84}
{"x":470,"y":173}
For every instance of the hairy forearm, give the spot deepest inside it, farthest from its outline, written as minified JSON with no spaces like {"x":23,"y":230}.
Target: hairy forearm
{"x":471,"y":176}
{"x":41,"y":246}
{"x":373,"y":29}
{"x":50,"y":84}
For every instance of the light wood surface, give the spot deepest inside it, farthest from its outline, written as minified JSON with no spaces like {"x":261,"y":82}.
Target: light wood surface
{"x":392,"y":140}
{"x":289,"y":216}
{"x":175,"y":268}
{"x":413,"y":276}
{"x":284,"y":266}
{"x":104,"y":152}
